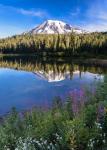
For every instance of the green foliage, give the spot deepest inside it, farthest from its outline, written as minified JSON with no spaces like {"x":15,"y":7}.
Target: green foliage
{"x":58,"y":128}
{"x":64,"y":45}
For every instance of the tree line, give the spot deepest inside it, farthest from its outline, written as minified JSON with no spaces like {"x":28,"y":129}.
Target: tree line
{"x":70,"y":44}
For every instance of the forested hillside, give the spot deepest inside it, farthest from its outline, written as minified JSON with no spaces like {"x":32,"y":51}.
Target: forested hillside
{"x":70,"y":44}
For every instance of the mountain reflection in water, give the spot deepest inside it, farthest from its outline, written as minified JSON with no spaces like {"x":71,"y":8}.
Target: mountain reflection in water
{"x":33,"y":83}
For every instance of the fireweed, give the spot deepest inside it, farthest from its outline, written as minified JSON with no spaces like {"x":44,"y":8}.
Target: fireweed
{"x":78,"y":124}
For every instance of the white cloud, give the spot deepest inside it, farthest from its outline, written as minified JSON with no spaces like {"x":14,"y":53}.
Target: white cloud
{"x":94,"y":18}
{"x":92,"y":27}
{"x":31,"y":12}
{"x":97,"y":11}
{"x":34,"y":13}
{"x":97,"y":16}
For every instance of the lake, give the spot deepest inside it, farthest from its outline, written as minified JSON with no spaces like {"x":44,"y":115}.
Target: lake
{"x":32,"y":83}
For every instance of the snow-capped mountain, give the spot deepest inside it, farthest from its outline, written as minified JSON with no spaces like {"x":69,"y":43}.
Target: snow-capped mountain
{"x":55,"y":27}
{"x":54,"y":77}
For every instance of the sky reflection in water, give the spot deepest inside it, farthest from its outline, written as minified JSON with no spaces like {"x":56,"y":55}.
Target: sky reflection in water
{"x":25,"y":90}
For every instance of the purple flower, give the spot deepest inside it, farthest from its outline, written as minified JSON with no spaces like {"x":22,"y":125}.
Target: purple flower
{"x":78,"y":100}
{"x":100,"y":112}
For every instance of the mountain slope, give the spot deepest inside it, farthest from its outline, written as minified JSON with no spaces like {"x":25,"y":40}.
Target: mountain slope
{"x":55,"y":27}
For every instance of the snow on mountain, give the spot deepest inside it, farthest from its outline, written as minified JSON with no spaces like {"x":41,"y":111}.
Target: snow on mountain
{"x":54,"y":77}
{"x":55,"y":27}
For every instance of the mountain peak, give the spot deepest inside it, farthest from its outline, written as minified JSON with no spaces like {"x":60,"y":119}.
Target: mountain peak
{"x":55,"y":21}
{"x":55,"y":27}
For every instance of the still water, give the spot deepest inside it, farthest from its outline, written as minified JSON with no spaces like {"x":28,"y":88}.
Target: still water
{"x":40,"y":85}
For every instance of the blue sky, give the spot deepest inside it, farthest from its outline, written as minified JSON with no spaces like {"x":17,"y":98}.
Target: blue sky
{"x":17,"y":16}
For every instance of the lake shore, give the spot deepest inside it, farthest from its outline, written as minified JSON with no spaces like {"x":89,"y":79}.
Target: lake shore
{"x":94,"y":61}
